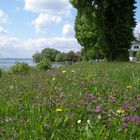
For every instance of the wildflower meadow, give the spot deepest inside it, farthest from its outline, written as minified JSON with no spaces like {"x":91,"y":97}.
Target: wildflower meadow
{"x":85,"y":101}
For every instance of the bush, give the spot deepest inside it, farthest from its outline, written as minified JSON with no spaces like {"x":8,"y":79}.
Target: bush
{"x":20,"y":67}
{"x":0,"y":73}
{"x":44,"y":65}
{"x":138,"y":56}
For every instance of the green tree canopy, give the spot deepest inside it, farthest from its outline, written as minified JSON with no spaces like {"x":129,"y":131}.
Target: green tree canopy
{"x":59,"y":57}
{"x":111,"y":21}
{"x":49,"y":54}
{"x":85,"y":26}
{"x":37,"y":57}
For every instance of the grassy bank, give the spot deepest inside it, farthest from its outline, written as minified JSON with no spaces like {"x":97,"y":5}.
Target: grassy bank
{"x":99,"y":101}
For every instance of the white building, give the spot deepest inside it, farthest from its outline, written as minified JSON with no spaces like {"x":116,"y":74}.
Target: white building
{"x":133,"y":50}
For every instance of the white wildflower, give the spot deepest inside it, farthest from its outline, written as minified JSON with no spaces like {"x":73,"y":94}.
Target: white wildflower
{"x":11,"y":87}
{"x":79,"y":121}
{"x":88,"y":121}
{"x":99,"y":116}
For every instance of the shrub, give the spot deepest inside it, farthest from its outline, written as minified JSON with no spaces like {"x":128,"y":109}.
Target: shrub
{"x":138,"y":56}
{"x":0,"y":73}
{"x":44,"y":65}
{"x":20,"y":67}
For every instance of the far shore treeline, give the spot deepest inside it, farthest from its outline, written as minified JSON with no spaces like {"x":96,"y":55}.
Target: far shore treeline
{"x":53,"y":55}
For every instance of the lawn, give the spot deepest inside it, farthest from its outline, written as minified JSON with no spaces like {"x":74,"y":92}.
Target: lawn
{"x":85,"y":101}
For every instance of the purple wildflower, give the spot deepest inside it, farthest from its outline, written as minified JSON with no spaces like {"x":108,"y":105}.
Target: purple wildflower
{"x":111,"y":111}
{"x":98,"y":108}
{"x":13,"y":119}
{"x":135,"y":119}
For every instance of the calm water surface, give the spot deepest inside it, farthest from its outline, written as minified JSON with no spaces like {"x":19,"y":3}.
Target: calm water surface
{"x":8,"y":62}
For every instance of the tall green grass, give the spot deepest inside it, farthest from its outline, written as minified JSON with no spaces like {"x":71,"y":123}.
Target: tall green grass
{"x":86,"y":101}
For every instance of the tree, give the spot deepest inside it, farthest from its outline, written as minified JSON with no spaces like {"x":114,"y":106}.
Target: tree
{"x":113,"y":22}
{"x":70,"y":56}
{"x":85,"y":27}
{"x":59,"y":57}
{"x":90,"y":55}
{"x":49,"y":54}
{"x":37,"y":57}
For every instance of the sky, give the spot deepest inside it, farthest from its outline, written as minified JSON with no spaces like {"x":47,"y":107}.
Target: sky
{"x":27,"y":26}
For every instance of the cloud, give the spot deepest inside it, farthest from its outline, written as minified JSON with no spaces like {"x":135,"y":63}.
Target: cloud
{"x":42,"y":22}
{"x":13,"y":47}
{"x":8,"y":46}
{"x":6,"y":41}
{"x":137,"y":30}
{"x":3,"y":17}
{"x":48,"y":6}
{"x":50,"y":11}
{"x":62,"y":44}
{"x":3,"y":31}
{"x":68,"y":30}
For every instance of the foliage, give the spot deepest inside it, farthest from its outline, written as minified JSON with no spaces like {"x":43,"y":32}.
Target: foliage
{"x":54,"y":55}
{"x":44,"y":65}
{"x":116,"y":28}
{"x":59,"y":57}
{"x":85,"y":28}
{"x":70,"y":56}
{"x":138,"y":55}
{"x":91,"y":54}
{"x":49,"y":54}
{"x":87,"y":101}
{"x":20,"y":68}
{"x":110,"y":24}
{"x":37,"y":57}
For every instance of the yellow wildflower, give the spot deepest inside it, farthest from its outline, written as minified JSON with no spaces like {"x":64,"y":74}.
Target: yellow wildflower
{"x":58,"y":110}
{"x":129,"y":87}
{"x":54,"y":79}
{"x":120,"y":111}
{"x":64,"y":71}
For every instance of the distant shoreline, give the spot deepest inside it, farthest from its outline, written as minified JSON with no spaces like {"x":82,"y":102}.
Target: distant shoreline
{"x":6,"y":63}
{"x":15,"y":58}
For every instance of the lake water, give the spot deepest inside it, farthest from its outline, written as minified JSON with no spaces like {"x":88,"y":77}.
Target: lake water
{"x":8,"y":62}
